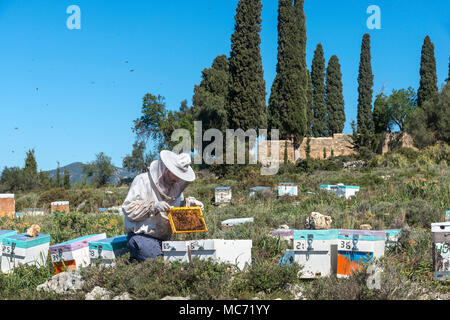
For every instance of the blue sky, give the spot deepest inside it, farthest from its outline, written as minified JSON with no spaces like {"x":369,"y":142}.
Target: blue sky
{"x":71,"y":94}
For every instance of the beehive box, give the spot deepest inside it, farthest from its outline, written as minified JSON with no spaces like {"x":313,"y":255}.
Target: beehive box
{"x":222,"y":195}
{"x":23,"y":249}
{"x":392,"y":236}
{"x":287,"y":189}
{"x":186,"y":220}
{"x":73,"y":254}
{"x":316,"y":251}
{"x":33,"y":211}
{"x":7,"y":205}
{"x":236,"y":252}
{"x":329,"y":187}
{"x":4,"y":234}
{"x":440,"y":238}
{"x":107,"y":250}
{"x":356,"y":247}
{"x":233,"y":222}
{"x":60,"y":206}
{"x":347,"y":191}
{"x":255,"y":190}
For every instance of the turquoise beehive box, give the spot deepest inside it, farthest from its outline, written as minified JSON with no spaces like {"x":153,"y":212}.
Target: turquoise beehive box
{"x":107,"y":250}
{"x":23,"y":249}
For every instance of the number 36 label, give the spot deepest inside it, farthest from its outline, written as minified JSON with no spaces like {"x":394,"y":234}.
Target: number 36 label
{"x":345,"y":245}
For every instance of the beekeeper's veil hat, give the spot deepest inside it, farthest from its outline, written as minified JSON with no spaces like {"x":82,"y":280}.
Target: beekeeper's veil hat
{"x":179,"y":165}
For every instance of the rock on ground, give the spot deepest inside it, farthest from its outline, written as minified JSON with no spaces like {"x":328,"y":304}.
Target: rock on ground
{"x":98,"y":293}
{"x":123,"y":296}
{"x":318,"y":221}
{"x":63,"y":282}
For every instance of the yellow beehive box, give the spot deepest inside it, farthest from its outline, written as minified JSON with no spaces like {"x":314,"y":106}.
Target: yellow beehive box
{"x":187,"y":220}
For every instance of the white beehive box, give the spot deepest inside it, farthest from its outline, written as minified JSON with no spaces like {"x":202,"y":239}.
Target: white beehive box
{"x":316,"y":251}
{"x":440,"y":239}
{"x":356,"y":247}
{"x":347,"y":191}
{"x":107,"y":250}
{"x":233,"y":222}
{"x":222,"y":195}
{"x":287,"y":189}
{"x":4,"y":234}
{"x":23,"y":249}
{"x":73,"y":254}
{"x":33,"y":212}
{"x":236,"y":252}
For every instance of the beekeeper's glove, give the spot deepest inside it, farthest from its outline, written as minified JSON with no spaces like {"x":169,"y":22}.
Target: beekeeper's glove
{"x":161,"y":206}
{"x":192,"y":202}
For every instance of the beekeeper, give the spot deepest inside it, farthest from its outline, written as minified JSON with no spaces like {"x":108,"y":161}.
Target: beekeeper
{"x":150,"y":197}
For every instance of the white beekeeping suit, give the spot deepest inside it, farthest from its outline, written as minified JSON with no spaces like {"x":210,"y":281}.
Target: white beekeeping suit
{"x":144,"y":208}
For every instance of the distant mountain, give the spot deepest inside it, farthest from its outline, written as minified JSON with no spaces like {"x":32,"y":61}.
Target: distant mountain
{"x":76,"y":173}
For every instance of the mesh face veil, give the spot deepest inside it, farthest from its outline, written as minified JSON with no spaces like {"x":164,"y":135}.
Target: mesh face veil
{"x":168,"y":192}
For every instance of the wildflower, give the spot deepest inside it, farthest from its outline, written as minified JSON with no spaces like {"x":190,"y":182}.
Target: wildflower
{"x":109,"y":227}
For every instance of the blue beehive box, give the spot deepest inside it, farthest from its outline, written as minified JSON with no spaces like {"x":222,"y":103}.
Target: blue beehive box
{"x":107,"y":250}
{"x":23,"y":249}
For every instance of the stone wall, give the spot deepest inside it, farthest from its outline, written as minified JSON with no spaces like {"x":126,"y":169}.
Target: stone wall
{"x":395,"y":140}
{"x":266,"y":151}
{"x":339,"y":143}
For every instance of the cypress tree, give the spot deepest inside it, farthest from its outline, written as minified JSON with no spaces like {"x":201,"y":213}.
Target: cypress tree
{"x":58,"y":176}
{"x":334,"y":98}
{"x":288,"y":99}
{"x":428,"y":79}
{"x":309,"y":107}
{"x":318,"y":82}
{"x":247,"y":107}
{"x":365,"y":91}
{"x":211,"y":95}
{"x":66,"y":179}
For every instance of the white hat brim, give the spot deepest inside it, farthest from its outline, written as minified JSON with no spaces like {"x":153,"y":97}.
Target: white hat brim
{"x":169,"y":158}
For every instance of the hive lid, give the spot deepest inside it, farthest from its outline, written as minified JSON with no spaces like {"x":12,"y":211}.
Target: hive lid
{"x":6,"y":233}
{"x":25,"y":241}
{"x":237,"y":221}
{"x":287,"y":183}
{"x":187,"y":220}
{"x":113,"y":243}
{"x":370,"y":235}
{"x":77,"y":243}
{"x":316,"y":234}
{"x":259,"y":188}
{"x":223,"y":188}
{"x":6,"y":196}
{"x":349,"y":187}
{"x":392,"y":232}
{"x":60,"y":203}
